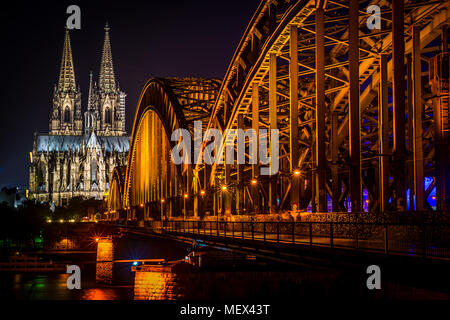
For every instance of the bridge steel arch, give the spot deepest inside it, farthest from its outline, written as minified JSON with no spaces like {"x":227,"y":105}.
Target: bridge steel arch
{"x":353,"y":135}
{"x":153,"y":184}
{"x":115,"y":194}
{"x":315,"y":71}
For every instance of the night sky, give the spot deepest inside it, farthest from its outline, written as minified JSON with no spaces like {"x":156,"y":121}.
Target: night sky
{"x":192,"y":38}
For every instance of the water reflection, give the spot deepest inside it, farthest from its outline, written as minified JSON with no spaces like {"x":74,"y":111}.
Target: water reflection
{"x":28,"y":286}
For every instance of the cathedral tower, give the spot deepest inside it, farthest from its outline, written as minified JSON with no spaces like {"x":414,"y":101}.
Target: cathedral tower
{"x":66,"y":118}
{"x":111,"y":99}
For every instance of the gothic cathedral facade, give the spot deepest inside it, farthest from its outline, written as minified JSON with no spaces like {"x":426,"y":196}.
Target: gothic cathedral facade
{"x":78,"y":155}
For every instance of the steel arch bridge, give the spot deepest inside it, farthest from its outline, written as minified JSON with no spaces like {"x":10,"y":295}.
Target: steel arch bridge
{"x":354,"y":135}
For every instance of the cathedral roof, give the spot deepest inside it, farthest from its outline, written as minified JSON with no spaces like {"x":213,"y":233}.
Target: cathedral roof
{"x":54,"y":143}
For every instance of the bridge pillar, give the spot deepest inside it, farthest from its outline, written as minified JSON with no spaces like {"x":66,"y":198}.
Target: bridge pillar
{"x":293,"y":118}
{"x":255,"y":167}
{"x":272,"y":124}
{"x":398,"y":56}
{"x":105,"y":271}
{"x":196,"y":195}
{"x":383,"y":135}
{"x":321,"y":191}
{"x":354,"y":109}
{"x":417,"y":124}
{"x":336,"y":186}
{"x":240,"y":202}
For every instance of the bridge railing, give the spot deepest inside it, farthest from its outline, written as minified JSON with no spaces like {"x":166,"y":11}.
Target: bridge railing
{"x":416,"y":239}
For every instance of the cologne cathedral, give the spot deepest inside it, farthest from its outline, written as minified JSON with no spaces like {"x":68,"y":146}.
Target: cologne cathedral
{"x":78,"y":155}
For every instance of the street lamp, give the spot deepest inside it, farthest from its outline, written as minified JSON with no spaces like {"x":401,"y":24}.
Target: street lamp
{"x":296,"y":172}
{"x":254,"y":182}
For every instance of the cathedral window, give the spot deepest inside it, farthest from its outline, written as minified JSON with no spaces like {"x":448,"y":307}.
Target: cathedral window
{"x":67,"y":115}
{"x":94,"y":170}
{"x":108,"y":116}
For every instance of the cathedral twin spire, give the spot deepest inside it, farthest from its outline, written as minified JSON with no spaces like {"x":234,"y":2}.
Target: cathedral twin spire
{"x":67,"y":72}
{"x":107,"y":81}
{"x":106,"y":104}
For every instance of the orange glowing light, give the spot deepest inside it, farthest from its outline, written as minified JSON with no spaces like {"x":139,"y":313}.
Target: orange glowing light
{"x":202,"y":192}
{"x":296,"y":172}
{"x":163,"y":200}
{"x":224,"y":188}
{"x":142,"y":205}
{"x":186,"y":195}
{"x":254,"y":181}
{"x":97,"y":239}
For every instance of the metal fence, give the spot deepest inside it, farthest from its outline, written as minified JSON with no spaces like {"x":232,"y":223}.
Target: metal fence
{"x":426,"y":240}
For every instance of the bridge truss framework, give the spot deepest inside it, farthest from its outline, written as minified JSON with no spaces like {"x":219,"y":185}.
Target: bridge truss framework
{"x":363,"y":116}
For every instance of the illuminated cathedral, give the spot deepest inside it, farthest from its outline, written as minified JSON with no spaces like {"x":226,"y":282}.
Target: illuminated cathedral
{"x":78,"y":155}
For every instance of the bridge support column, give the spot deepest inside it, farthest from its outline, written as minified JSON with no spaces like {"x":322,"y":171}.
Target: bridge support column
{"x":255,"y":167}
{"x":226,"y":192}
{"x":336,"y":187}
{"x":383,"y":135}
{"x":240,"y":204}
{"x":354,"y":112}
{"x":293,"y":118}
{"x":196,"y":196}
{"x":398,"y":56}
{"x":272,"y":124}
{"x":417,"y":124}
{"x":321,"y":191}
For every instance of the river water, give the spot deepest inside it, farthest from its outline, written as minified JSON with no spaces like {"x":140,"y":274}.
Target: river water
{"x":52,"y":286}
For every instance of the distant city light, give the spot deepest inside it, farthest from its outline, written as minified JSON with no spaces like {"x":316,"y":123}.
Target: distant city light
{"x":254,"y":181}
{"x":224,"y":188}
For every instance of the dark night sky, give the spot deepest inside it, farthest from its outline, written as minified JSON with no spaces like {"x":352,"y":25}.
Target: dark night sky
{"x":194,"y":38}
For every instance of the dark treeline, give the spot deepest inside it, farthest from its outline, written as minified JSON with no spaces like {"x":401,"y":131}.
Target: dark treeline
{"x":21,"y":226}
